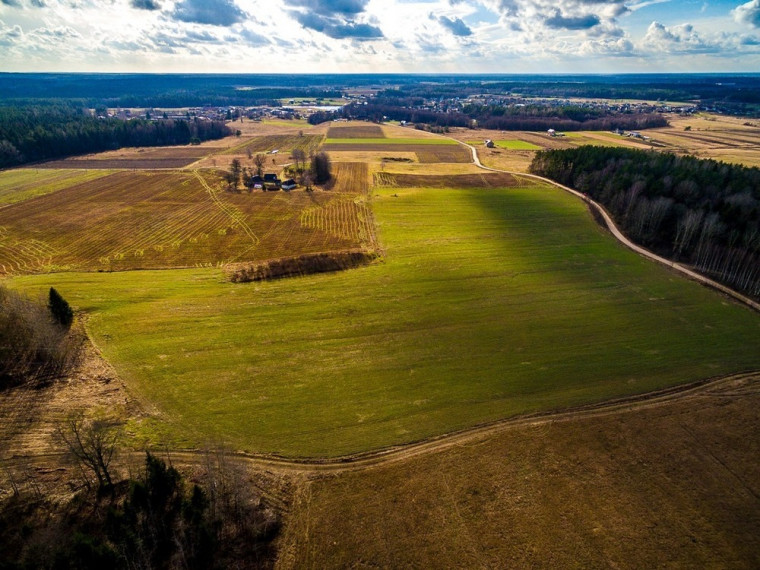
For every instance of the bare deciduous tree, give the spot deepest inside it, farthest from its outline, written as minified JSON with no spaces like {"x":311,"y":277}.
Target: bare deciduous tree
{"x":92,"y":444}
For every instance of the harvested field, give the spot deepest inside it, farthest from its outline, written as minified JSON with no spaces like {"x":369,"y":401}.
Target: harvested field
{"x":22,"y":184}
{"x":350,"y":177}
{"x":141,"y":220}
{"x":345,"y":218}
{"x":361,"y":132}
{"x":490,"y":180}
{"x":283,"y":143}
{"x":457,"y":154}
{"x":120,"y":164}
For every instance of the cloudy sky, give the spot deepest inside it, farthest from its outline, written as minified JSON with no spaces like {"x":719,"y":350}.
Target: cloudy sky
{"x":361,"y":36}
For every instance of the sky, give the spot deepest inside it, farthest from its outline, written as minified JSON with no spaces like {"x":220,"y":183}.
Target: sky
{"x":380,"y":36}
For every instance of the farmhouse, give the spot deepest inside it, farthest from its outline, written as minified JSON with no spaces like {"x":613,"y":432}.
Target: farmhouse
{"x":271,"y":182}
{"x":257,"y":182}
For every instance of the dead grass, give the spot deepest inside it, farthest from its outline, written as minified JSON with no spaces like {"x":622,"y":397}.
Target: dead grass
{"x":675,"y":485}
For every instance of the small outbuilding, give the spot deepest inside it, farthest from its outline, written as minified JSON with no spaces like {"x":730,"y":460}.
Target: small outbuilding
{"x":289,"y":184}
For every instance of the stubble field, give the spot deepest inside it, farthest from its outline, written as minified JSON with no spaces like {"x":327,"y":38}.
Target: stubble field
{"x":139,"y":220}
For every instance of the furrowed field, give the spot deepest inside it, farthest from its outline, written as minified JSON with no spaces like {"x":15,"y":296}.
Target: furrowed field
{"x":490,"y":303}
{"x":134,"y":220}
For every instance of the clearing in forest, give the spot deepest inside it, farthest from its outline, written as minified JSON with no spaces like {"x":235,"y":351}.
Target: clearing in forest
{"x":138,"y":220}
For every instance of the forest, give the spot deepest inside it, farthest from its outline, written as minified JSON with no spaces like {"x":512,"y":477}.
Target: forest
{"x":701,"y":212}
{"x":41,"y":132}
{"x":498,"y":117}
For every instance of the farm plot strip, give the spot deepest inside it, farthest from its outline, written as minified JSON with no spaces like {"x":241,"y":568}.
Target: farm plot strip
{"x":306,"y":143}
{"x":490,"y":180}
{"x":362,"y":132}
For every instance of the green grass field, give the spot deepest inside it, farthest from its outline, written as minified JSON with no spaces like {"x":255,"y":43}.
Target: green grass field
{"x":517,"y":145}
{"x":22,"y":184}
{"x":392,"y":141}
{"x":490,"y":303}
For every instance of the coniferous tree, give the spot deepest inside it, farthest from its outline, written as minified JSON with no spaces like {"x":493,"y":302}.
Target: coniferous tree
{"x":60,"y":308}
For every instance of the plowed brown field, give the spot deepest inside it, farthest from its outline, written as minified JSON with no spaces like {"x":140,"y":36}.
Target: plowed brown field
{"x":494,"y":180}
{"x":363,"y":132}
{"x":456,"y":154}
{"x":134,"y":158}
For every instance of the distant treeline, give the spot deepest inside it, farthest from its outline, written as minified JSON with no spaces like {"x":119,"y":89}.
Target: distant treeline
{"x":162,"y":91}
{"x":35,"y":133}
{"x":736,"y":93}
{"x":702,"y":212}
{"x":522,"y":118}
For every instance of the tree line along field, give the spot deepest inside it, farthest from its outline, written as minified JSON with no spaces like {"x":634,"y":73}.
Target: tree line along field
{"x":144,"y":220}
{"x":490,"y":303}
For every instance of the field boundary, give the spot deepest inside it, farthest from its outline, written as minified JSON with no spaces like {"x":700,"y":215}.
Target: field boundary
{"x":402,"y":452}
{"x":397,"y":453}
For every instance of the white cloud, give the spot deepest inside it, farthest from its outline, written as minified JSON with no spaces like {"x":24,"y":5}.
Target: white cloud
{"x":748,"y":13}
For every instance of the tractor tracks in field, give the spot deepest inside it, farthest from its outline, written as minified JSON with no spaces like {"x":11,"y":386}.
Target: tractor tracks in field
{"x":231,"y":211}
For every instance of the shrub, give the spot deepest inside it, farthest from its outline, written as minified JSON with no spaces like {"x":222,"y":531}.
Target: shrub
{"x":33,"y":347}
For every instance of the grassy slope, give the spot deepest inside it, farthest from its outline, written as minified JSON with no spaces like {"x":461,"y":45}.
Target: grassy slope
{"x":491,"y":303}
